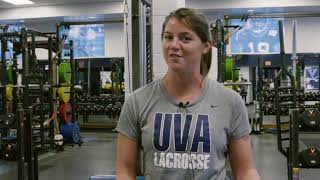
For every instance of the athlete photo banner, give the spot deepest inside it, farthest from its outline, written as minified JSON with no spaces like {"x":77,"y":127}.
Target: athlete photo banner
{"x":311,"y":77}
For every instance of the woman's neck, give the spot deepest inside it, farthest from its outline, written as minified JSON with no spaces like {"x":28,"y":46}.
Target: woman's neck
{"x":183,"y":87}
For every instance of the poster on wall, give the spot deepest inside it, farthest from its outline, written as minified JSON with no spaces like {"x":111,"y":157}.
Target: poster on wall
{"x":88,"y":40}
{"x":311,"y":77}
{"x":258,"y":36}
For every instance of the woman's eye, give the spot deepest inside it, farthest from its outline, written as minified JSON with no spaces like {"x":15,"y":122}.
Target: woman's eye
{"x":186,"y":39}
{"x":167,"y":37}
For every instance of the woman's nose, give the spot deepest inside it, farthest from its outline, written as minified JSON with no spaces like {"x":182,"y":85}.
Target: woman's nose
{"x":175,"y":44}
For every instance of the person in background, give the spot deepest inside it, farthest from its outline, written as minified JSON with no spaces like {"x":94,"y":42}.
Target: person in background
{"x":185,"y":124}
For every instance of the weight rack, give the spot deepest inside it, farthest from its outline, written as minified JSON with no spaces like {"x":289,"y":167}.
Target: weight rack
{"x":30,"y":139}
{"x":294,"y":163}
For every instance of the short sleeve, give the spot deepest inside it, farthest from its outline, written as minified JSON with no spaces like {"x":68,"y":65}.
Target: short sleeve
{"x":128,"y":123}
{"x":239,"y":121}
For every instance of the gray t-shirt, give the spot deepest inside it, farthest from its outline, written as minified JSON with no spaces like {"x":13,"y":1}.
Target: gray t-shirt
{"x":184,"y":141}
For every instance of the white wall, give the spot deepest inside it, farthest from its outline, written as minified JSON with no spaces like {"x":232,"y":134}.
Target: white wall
{"x":308,"y":35}
{"x":62,"y":10}
{"x":114,"y":40}
{"x":226,"y":4}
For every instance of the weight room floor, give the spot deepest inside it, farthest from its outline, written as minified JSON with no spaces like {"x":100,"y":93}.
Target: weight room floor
{"x":97,"y":156}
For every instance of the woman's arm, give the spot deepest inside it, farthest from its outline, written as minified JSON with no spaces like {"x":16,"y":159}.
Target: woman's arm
{"x":241,"y":159}
{"x":127,"y":158}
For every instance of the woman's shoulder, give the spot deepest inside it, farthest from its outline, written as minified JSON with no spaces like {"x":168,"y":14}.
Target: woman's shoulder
{"x":219,"y":90}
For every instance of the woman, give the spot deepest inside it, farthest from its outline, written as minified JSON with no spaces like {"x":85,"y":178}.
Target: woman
{"x":185,"y":124}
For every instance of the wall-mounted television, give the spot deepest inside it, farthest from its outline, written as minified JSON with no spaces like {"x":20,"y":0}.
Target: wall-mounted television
{"x":257,"y":36}
{"x":12,"y":28}
{"x":89,"y":40}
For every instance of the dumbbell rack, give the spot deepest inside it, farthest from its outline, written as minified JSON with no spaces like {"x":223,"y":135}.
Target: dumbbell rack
{"x":109,"y":105}
{"x":295,"y":130}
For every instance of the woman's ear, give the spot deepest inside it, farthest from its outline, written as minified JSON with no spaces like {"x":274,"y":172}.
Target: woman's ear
{"x":207,"y":47}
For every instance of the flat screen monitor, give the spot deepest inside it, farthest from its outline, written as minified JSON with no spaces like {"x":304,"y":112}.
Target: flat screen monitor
{"x":257,"y":36}
{"x":88,"y":40}
{"x":9,"y":52}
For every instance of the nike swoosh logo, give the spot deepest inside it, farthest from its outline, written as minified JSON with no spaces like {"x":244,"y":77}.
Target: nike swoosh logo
{"x":213,"y":106}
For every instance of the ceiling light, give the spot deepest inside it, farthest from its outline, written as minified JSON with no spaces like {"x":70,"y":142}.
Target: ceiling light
{"x":19,"y":2}
{"x":22,"y":21}
{"x":250,"y":10}
{"x":92,"y":17}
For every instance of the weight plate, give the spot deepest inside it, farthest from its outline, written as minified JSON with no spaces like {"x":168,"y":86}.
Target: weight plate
{"x":9,"y":151}
{"x":235,"y":75}
{"x":228,"y":69}
{"x":65,"y":111}
{"x":310,"y":118}
{"x":309,"y":158}
{"x":108,"y":86}
{"x":9,"y":94}
{"x":8,"y":119}
{"x":9,"y":73}
{"x":64,"y":72}
{"x":64,"y":94}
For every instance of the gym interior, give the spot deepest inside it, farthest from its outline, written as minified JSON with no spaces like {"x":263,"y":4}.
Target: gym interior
{"x":67,"y":67}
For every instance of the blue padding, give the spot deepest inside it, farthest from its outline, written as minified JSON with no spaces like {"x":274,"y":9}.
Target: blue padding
{"x":109,"y":177}
{"x":71,"y":133}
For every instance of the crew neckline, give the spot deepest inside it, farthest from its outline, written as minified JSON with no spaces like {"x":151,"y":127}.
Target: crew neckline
{"x":193,"y":102}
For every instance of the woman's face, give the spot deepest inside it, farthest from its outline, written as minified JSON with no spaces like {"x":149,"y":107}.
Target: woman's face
{"x":182,"y":47}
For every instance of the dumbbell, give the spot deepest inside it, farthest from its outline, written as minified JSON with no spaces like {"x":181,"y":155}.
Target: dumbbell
{"x":91,"y":109}
{"x":284,"y":110}
{"x":309,"y":158}
{"x":8,"y":120}
{"x":118,"y":108}
{"x":100,"y":110}
{"x":86,"y":110}
{"x":317,"y":96}
{"x":298,"y":96}
{"x":96,"y":99}
{"x":313,"y":96}
{"x":266,"y":110}
{"x":306,"y":96}
{"x":301,"y":108}
{"x":107,"y":109}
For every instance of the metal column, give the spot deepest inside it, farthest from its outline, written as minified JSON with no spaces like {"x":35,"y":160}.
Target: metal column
{"x":221,"y":51}
{"x":140,"y":9}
